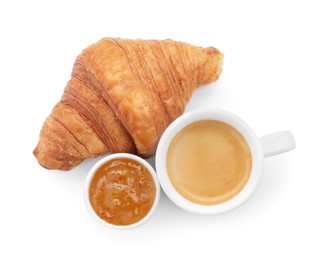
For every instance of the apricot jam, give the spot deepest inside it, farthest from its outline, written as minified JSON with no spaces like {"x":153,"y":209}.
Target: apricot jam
{"x":122,"y":191}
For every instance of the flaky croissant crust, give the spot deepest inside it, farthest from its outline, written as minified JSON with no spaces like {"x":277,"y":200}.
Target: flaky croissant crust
{"x":121,"y":97}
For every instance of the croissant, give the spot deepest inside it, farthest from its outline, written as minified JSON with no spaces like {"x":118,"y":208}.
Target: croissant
{"x":121,"y":97}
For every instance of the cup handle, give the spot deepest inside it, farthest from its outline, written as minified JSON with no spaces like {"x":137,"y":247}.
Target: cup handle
{"x":277,"y":143}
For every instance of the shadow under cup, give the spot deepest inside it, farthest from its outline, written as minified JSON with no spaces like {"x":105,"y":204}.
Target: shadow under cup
{"x":209,"y":161}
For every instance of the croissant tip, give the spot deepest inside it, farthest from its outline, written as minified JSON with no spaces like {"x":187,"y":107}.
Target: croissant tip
{"x":50,"y":161}
{"x":35,"y":154}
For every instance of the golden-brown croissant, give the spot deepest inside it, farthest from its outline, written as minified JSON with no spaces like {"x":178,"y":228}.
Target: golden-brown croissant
{"x":121,"y":97}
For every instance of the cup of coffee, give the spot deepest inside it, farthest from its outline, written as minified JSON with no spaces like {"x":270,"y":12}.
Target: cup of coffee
{"x":210,"y":161}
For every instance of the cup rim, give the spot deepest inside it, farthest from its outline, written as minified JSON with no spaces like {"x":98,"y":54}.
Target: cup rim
{"x":209,"y":114}
{"x":92,"y":172}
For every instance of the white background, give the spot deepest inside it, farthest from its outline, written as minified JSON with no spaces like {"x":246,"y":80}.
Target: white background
{"x":270,"y":79}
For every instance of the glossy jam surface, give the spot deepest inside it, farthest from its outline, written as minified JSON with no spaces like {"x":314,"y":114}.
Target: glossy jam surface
{"x":122,"y":191}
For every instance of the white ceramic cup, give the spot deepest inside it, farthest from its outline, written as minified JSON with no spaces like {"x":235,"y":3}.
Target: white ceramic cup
{"x":266,"y":146}
{"x":91,"y":175}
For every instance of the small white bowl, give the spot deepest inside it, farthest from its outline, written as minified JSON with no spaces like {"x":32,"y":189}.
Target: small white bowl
{"x":92,"y":173}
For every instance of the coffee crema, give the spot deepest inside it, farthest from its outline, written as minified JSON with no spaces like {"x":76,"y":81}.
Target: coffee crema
{"x":209,"y":162}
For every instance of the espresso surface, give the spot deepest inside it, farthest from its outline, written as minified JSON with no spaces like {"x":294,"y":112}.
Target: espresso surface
{"x":209,"y":162}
